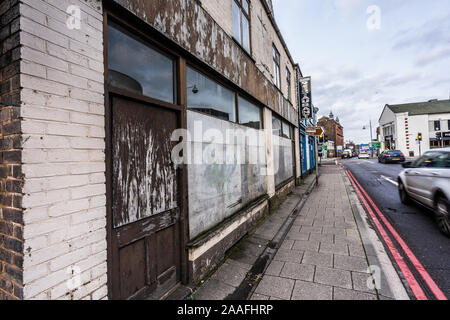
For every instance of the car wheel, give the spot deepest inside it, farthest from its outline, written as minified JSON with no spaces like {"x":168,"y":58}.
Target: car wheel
{"x":404,"y":197}
{"x":443,"y":215}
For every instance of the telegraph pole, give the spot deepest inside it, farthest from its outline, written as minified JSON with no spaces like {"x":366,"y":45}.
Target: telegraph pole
{"x":371,"y":139}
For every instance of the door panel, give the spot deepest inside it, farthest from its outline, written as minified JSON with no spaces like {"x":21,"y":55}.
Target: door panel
{"x":132,"y":279}
{"x":145,"y":212}
{"x":144,"y":177}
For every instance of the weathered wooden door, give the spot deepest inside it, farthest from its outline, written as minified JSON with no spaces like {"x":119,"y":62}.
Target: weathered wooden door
{"x":145,"y":213}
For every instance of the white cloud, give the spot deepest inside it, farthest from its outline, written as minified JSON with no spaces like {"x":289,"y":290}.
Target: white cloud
{"x":354,"y":72}
{"x":346,"y":8}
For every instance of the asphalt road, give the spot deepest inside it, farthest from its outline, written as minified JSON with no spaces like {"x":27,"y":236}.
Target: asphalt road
{"x":415,"y":224}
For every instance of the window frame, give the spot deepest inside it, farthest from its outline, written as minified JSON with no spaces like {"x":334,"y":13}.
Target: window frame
{"x":289,"y":83}
{"x":278,"y":118}
{"x":146,"y":41}
{"x":276,"y":59}
{"x":283,"y":124}
{"x":242,"y":11}
{"x":238,"y":118}
{"x":436,"y":126}
{"x":212,"y":75}
{"x":218,"y":81}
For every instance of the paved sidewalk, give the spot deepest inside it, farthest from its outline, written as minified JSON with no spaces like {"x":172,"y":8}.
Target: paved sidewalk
{"x":323,"y":256}
{"x":251,"y":253}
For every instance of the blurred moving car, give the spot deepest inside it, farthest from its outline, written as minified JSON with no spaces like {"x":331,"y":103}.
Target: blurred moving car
{"x":392,"y":156}
{"x":347,"y":154}
{"x":427,"y":181}
{"x":363,"y":155}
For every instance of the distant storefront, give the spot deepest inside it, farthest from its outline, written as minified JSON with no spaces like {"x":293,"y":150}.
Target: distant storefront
{"x":400,"y":126}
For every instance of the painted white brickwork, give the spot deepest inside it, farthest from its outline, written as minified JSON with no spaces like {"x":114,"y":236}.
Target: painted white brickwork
{"x":63,"y":156}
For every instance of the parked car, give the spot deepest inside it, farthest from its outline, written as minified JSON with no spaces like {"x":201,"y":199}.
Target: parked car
{"x":392,"y":156}
{"x":363,"y":155}
{"x":427,"y":181}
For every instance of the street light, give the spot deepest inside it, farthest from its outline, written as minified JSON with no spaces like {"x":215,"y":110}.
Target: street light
{"x":371,"y":139}
{"x":316,"y":110}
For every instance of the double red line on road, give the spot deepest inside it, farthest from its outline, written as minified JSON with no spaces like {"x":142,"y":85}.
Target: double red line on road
{"x":414,"y":285}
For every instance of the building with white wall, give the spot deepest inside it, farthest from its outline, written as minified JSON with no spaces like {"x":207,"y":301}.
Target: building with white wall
{"x":401,"y":124}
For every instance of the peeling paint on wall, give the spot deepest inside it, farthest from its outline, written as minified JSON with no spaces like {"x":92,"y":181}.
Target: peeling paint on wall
{"x":144,"y":175}
{"x":188,"y":25}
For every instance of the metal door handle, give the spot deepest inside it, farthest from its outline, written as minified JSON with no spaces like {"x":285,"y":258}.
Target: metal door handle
{"x":435,"y":173}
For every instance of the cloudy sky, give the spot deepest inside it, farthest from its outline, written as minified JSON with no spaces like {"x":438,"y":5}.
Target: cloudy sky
{"x":359,"y":63}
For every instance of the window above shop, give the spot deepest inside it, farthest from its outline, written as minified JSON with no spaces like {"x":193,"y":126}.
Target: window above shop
{"x":136,"y":67}
{"x":241,"y":23}
{"x":249,"y":114}
{"x":276,"y":66}
{"x":437,"y":126}
{"x":207,"y":96}
{"x":288,"y":82}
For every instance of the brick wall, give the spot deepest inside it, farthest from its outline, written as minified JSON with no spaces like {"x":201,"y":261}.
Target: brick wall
{"x":333,"y":131}
{"x":11,"y":217}
{"x":63,"y":151}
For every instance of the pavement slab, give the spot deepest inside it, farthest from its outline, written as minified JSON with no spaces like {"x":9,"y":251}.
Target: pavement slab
{"x":318,"y":259}
{"x":294,"y":256}
{"x":298,"y":271}
{"x":276,"y":287}
{"x":350,"y":263}
{"x":275,"y":267}
{"x":306,"y":245}
{"x":322,"y":255}
{"x":334,"y":248}
{"x":333,"y":277}
{"x":311,"y":291}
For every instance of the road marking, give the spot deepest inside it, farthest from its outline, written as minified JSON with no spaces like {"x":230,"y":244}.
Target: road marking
{"x":413,"y":284}
{"x":390,"y":180}
{"x":367,"y":161}
{"x":415,"y":262}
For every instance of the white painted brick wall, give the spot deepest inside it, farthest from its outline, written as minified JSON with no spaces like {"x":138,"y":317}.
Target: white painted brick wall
{"x":63,"y":157}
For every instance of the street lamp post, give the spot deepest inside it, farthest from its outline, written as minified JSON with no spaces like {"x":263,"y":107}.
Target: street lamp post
{"x":371,"y":137}
{"x":316,"y":151}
